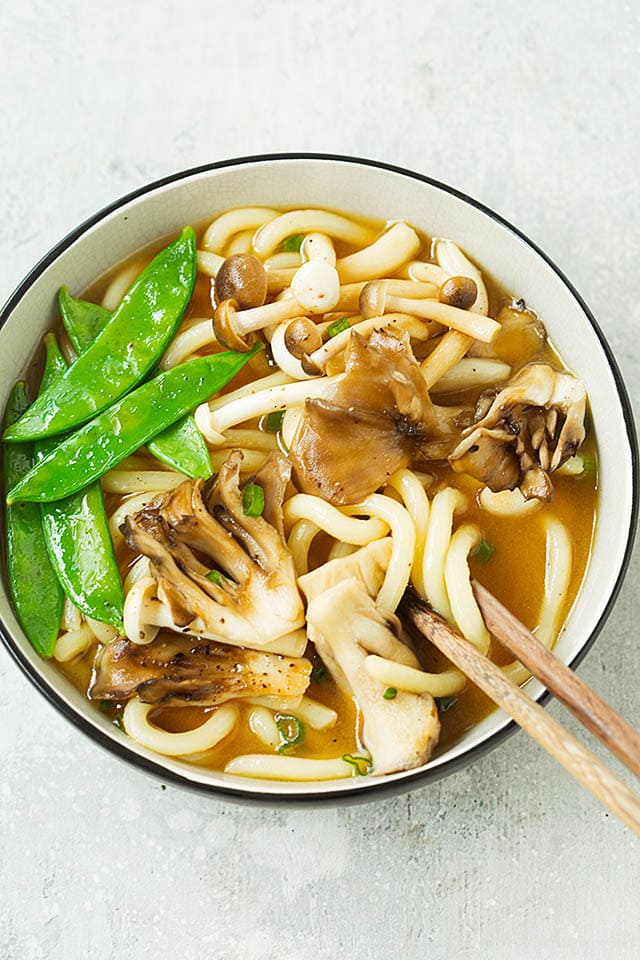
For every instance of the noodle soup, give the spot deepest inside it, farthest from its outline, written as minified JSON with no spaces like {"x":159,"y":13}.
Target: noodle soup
{"x":406,"y":424}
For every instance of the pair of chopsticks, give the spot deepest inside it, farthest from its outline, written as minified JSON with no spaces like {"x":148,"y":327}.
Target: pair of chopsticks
{"x":597,"y":716}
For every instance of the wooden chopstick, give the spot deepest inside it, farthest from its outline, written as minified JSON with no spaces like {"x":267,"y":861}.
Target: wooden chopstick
{"x":545,"y":730}
{"x":590,"y":709}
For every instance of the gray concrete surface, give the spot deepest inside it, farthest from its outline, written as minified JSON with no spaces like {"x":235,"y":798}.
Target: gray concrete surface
{"x":532,"y":109}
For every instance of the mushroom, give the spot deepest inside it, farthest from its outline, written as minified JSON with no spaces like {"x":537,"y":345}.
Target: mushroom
{"x":524,"y":432}
{"x":375,"y":300}
{"x":232,"y":326}
{"x":290,"y":344}
{"x":346,"y":625}
{"x":367,"y":423}
{"x":460,"y":292}
{"x":241,"y":278}
{"x":316,"y":286}
{"x":175,"y":670}
{"x":218,"y":572}
{"x":522,"y":334}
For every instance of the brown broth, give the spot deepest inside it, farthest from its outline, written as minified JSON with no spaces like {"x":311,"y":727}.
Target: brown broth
{"x":515,"y":574}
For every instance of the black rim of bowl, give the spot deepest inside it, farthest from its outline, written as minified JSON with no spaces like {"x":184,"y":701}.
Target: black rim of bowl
{"x":373,"y":787}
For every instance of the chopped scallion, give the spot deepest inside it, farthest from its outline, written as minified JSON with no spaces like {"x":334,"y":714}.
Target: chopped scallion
{"x":253,"y":500}
{"x":484,"y":551}
{"x":588,"y":466}
{"x":390,"y":693}
{"x":273,"y":421}
{"x":215,"y":576}
{"x":318,"y":673}
{"x":293,"y":243}
{"x":445,"y":703}
{"x":292,"y":731}
{"x":338,"y":326}
{"x":362,"y":765}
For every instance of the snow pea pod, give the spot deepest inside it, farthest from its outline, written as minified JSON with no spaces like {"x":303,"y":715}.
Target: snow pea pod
{"x":36,"y":592}
{"x":111,"y":436}
{"x":82,"y":320}
{"x":76,"y":532}
{"x":181,"y":446}
{"x":124,"y":352}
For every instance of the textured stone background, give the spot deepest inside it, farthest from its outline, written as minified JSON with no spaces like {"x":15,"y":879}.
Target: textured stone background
{"x":532,"y":109}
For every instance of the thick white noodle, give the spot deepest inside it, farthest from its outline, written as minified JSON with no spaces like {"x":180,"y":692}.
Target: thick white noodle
{"x":409,"y":679}
{"x":443,"y":506}
{"x":120,"y":284}
{"x":299,"y":543}
{"x":262,"y":724}
{"x":573,"y":467}
{"x":212,"y":731}
{"x":126,"y":509}
{"x":384,"y":256}
{"x":507,"y":503}
{"x":557,"y":577}
{"x":71,"y":616}
{"x":255,"y":386}
{"x":464,"y":607}
{"x":103,"y":632}
{"x":315,"y":715}
{"x":453,"y":260}
{"x":72,"y":643}
{"x":253,"y":439}
{"x":143,"y":481}
{"x":220,"y":231}
{"x":213,"y":423}
{"x":339,"y":550}
{"x":283,"y":261}
{"x":265,"y":766}
{"x":137,"y":571}
{"x":415,"y":500}
{"x":209,"y":263}
{"x":241,"y":243}
{"x":198,"y":335}
{"x":424,"y":272}
{"x":403,"y":544}
{"x":471,"y":372}
{"x":252,"y":460}
{"x":290,"y":422}
{"x":272,"y":234}
{"x":276,"y":704}
{"x":305,"y":506}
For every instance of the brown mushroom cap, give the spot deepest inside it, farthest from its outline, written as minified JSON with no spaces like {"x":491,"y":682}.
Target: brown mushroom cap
{"x":225,"y":328}
{"x":372,"y":299}
{"x":302,"y":337}
{"x":459,"y":292}
{"x":243,"y":279}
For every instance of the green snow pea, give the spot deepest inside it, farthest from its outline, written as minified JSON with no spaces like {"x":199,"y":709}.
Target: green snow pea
{"x":106,"y":440}
{"x":181,"y":445}
{"x":82,"y":320}
{"x":124,"y":352}
{"x":76,"y":532}
{"x":37,"y":595}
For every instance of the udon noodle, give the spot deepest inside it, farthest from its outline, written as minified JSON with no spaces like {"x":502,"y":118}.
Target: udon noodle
{"x":407,"y":425}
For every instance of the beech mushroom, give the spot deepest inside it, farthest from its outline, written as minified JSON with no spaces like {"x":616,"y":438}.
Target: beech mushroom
{"x":291,"y":342}
{"x":346,"y":625}
{"x":242,"y":278}
{"x":220,"y":570}
{"x":233,"y":326}
{"x":524,"y":432}
{"x":174,"y":670}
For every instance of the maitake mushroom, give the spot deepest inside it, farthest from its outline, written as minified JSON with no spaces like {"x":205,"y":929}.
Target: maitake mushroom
{"x":345,"y":625}
{"x":369,"y":423}
{"x":178,"y":670}
{"x":216,"y":572}
{"x":526,"y":431}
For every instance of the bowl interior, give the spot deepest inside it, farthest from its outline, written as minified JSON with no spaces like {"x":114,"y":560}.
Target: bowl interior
{"x":371,"y":191}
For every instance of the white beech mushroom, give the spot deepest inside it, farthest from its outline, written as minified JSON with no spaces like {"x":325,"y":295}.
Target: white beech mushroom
{"x":526,"y":431}
{"x":219,"y":572}
{"x":345,"y":625}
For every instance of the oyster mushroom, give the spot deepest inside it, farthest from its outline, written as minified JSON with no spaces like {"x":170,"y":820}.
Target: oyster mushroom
{"x":179,"y":670}
{"x":524,"y":432}
{"x":346,"y":626}
{"x":368,"y":423}
{"x":217,"y":572}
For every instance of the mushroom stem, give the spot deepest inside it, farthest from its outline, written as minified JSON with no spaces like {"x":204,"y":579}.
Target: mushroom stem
{"x":213,"y":423}
{"x":318,"y":246}
{"x":452,"y":259}
{"x":449,"y":351}
{"x":424,"y":272}
{"x":385,"y":255}
{"x":375,"y":299}
{"x":248,"y":321}
{"x":476,"y":372}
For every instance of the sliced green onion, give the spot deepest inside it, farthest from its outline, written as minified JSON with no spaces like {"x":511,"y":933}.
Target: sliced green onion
{"x":293,"y":243}
{"x":446,"y":703}
{"x":484,"y":551}
{"x":319,"y":673}
{"x":390,"y":693}
{"x":273,"y":421}
{"x":215,"y":576}
{"x":588,"y":465}
{"x":362,"y":765}
{"x":292,"y":731}
{"x":253,"y":500}
{"x":338,"y":326}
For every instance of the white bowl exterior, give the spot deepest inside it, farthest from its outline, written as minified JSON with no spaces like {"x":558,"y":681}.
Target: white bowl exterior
{"x":383,"y":194}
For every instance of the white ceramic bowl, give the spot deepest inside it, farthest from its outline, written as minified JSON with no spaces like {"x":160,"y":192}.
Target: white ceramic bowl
{"x":384,"y":192}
